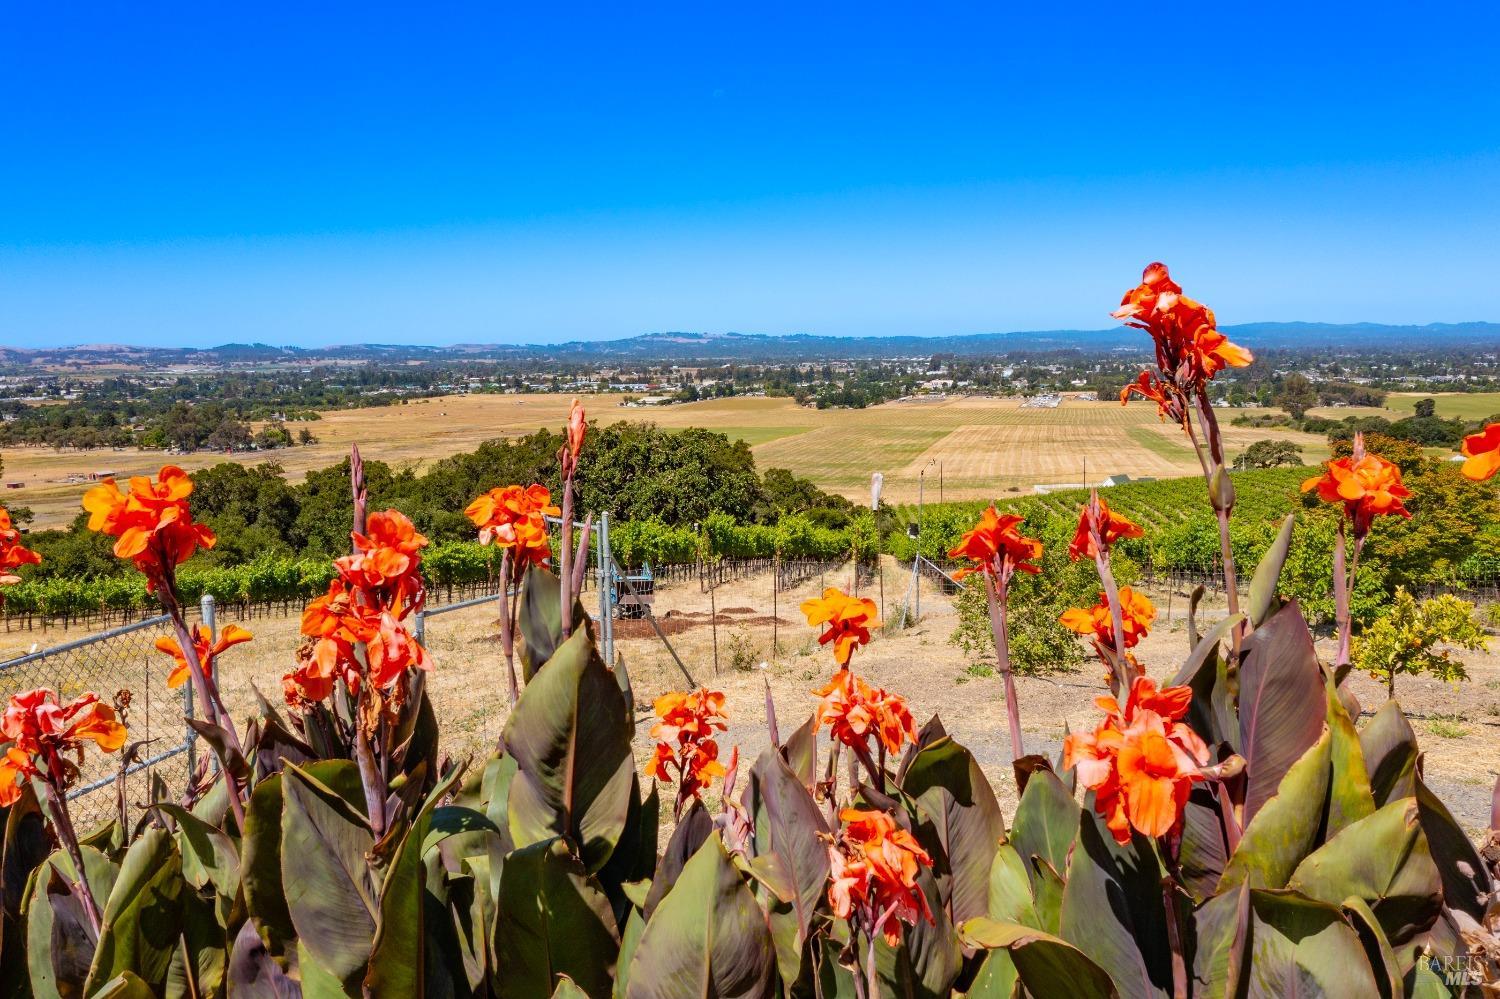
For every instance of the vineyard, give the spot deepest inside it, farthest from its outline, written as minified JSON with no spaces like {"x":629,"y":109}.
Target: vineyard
{"x":1181,"y":537}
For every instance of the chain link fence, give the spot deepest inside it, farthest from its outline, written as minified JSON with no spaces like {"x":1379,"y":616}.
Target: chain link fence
{"x":120,"y":665}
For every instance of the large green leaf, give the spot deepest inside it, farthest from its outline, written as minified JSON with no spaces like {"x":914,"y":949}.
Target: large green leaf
{"x":59,"y":944}
{"x":1203,"y":671}
{"x":398,"y":957}
{"x":1221,"y":928}
{"x":1281,"y":702}
{"x":199,"y":964}
{"x":708,"y":938}
{"x":1378,"y":951}
{"x":260,"y":848}
{"x":789,"y":826}
{"x":540,"y":619}
{"x":996,"y":978}
{"x":570,"y":738}
{"x":1009,"y":898}
{"x":329,"y":885}
{"x":1203,"y":851}
{"x":1390,"y":750}
{"x":630,"y":939}
{"x":1299,"y":946}
{"x":692,"y":831}
{"x":1112,"y":910}
{"x":209,"y":857}
{"x":1286,"y":829}
{"x":1262,"y":599}
{"x":1466,"y":876}
{"x":1046,"y":822}
{"x":552,"y":919}
{"x":1383,"y":859}
{"x":1349,"y":795}
{"x":143,"y":917}
{"x":961,"y":818}
{"x":1048,"y":965}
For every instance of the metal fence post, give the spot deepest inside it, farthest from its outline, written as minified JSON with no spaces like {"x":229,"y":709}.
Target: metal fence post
{"x":606,"y":590}
{"x":419,"y":627}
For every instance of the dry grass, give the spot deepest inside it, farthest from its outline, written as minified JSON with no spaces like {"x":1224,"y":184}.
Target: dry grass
{"x":985,"y":446}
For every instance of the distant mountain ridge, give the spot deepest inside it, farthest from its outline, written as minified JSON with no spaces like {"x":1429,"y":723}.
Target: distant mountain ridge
{"x":761,"y":347}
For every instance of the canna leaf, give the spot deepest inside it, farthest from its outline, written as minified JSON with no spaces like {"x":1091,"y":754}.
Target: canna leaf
{"x":1349,"y":795}
{"x":539,"y":619}
{"x":1286,"y":829}
{"x":1046,"y":822}
{"x":789,"y":827}
{"x":1281,"y":702}
{"x":253,"y":973}
{"x":1389,"y":746}
{"x":570,"y":737}
{"x":961,"y":818}
{"x":1262,"y":600}
{"x":1047,"y":965}
{"x":708,"y":937}
{"x":330,"y":888}
{"x":398,"y":957}
{"x":143,"y":917}
{"x":1383,"y":859}
{"x":552,"y":919}
{"x":1466,"y":876}
{"x":209,"y":857}
{"x":1299,"y":946}
{"x":1112,"y":910}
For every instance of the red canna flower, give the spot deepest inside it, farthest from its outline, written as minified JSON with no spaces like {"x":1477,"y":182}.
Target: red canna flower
{"x":1140,"y":762}
{"x":1366,"y":484}
{"x":1482,"y":451}
{"x":1111,"y":526}
{"x":997,"y":547}
{"x":232,"y":635}
{"x":1190,"y":350}
{"x":875,"y":864}
{"x":39,"y":728}
{"x":853,"y":711}
{"x":685,"y":739}
{"x":849,"y":621}
{"x":1136,"y":612}
{"x":13,"y":554}
{"x":151,"y":523}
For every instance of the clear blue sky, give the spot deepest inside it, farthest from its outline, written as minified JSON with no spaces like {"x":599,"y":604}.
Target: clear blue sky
{"x":432,"y":173}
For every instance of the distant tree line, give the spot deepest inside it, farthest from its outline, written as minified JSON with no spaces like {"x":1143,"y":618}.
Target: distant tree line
{"x":636,"y":471}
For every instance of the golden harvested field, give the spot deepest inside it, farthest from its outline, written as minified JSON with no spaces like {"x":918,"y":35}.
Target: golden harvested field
{"x":981,"y":446}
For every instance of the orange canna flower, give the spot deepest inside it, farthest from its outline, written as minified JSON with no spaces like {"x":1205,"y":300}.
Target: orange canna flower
{"x":338,"y":621}
{"x":875,"y":865}
{"x":151,"y":523}
{"x":997,"y":547}
{"x":13,"y":554}
{"x":515,"y":518}
{"x":1482,"y":451}
{"x":1140,"y":762}
{"x":1112,"y":527}
{"x":1153,"y":389}
{"x":849,"y":621}
{"x":1189,"y":347}
{"x":685,"y":739}
{"x":38,"y":727}
{"x":1136,"y":613}
{"x":853,"y":711}
{"x":232,"y":635}
{"x":385,"y":562}
{"x":1367,"y":485}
